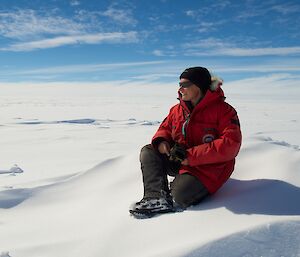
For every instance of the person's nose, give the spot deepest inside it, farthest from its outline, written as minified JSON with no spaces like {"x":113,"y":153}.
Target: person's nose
{"x":181,"y":89}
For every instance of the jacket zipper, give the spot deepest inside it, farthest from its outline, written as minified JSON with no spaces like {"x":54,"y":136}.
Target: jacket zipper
{"x":185,"y":125}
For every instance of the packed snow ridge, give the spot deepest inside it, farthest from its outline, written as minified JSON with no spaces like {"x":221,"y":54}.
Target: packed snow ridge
{"x":97,"y":122}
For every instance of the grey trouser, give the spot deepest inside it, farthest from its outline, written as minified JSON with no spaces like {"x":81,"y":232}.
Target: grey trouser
{"x":185,"y":189}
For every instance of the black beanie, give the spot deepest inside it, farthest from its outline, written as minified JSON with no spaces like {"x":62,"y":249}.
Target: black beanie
{"x":200,"y":76}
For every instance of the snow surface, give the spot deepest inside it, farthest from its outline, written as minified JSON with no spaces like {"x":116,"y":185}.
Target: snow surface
{"x":78,"y":145}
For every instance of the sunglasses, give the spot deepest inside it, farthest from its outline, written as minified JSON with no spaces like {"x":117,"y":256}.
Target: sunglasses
{"x":185,"y":84}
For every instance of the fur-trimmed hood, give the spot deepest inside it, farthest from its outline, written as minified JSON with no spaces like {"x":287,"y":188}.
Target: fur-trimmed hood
{"x":216,"y":82}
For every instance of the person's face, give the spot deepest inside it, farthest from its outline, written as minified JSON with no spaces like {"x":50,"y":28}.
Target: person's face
{"x":191,"y":93}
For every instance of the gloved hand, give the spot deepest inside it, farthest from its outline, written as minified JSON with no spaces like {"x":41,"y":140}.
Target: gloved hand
{"x":164,"y":148}
{"x":177,"y":153}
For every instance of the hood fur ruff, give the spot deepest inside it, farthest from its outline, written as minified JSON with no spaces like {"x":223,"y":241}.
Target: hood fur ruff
{"x":215,"y":83}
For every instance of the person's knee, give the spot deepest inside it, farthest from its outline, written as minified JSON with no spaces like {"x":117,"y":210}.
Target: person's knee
{"x":188,"y":190}
{"x":147,"y":153}
{"x":180,"y":197}
{"x":181,"y":201}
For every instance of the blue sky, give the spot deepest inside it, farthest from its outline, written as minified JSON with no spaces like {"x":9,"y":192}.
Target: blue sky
{"x":76,"y":40}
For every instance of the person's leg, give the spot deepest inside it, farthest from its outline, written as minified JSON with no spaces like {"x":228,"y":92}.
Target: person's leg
{"x":154,"y":172}
{"x":157,"y":199}
{"x":187,"y":190}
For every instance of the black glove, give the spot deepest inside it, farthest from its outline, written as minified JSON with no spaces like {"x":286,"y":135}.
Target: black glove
{"x":177,"y":153}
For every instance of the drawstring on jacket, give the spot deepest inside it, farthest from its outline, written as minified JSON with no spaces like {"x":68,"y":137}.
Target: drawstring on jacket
{"x":184,"y":125}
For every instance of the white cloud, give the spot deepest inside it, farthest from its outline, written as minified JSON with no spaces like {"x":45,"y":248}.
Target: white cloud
{"x":30,"y":29}
{"x":258,"y":68}
{"x":206,"y":26}
{"x":207,"y":43}
{"x":214,"y":47}
{"x":287,"y":8}
{"x":221,"y":4}
{"x":74,"y":3}
{"x":191,"y":13}
{"x":202,"y":24}
{"x":268,"y":51}
{"x":266,"y":7}
{"x":88,"y":68}
{"x":169,"y":51}
{"x":120,"y":16}
{"x":24,"y":24}
{"x":158,"y":53}
{"x":116,"y":37}
{"x":259,"y":51}
{"x":146,"y":71}
{"x":208,"y":9}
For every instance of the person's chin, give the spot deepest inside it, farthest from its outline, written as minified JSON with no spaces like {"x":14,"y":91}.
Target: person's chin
{"x":185,"y":98}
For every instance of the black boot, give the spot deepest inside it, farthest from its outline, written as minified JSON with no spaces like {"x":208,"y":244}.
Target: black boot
{"x":150,"y":206}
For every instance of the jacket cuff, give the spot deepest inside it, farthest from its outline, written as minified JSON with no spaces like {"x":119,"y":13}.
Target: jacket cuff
{"x":156,"y":141}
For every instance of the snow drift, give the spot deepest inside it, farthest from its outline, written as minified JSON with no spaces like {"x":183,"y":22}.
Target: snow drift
{"x":79,"y":149}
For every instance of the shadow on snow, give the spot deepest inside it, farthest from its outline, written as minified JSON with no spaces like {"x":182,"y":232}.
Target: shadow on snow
{"x":275,"y":239}
{"x":261,"y":196}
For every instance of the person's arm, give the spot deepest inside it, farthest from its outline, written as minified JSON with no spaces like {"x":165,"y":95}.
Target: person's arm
{"x":163,"y":137}
{"x":223,"y":149}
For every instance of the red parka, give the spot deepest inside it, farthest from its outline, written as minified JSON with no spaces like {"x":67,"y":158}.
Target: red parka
{"x":210,"y":133}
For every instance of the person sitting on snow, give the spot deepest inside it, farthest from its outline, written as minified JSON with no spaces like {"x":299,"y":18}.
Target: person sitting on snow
{"x":197,"y":143}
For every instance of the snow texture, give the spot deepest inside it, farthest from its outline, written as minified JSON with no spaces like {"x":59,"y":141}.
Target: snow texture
{"x":78,"y":145}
